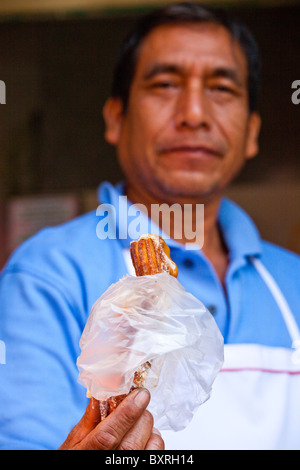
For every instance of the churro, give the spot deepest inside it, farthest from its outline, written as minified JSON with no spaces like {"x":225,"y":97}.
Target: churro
{"x":150,"y":255}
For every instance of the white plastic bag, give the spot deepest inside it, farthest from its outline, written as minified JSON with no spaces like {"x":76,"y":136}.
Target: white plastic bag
{"x":152,"y":318}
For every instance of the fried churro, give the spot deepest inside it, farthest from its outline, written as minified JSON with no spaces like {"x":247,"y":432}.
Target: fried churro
{"x":150,"y":255}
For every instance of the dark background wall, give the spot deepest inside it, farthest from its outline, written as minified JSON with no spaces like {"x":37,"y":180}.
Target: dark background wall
{"x":58,"y":74}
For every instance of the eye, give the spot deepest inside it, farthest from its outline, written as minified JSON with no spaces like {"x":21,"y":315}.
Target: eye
{"x":223,"y":89}
{"x":223,"y":92}
{"x":163,"y":84}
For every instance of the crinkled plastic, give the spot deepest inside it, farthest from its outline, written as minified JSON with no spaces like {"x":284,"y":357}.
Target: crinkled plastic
{"x":152,"y":318}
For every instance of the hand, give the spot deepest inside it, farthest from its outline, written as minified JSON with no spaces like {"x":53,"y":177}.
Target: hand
{"x":128,"y":427}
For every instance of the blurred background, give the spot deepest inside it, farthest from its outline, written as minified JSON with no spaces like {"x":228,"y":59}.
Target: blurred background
{"x":56,"y":60}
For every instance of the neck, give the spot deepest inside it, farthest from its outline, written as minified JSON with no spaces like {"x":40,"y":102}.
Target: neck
{"x":213,"y":246}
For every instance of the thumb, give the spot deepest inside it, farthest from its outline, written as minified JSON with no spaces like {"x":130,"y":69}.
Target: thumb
{"x":109,"y":433}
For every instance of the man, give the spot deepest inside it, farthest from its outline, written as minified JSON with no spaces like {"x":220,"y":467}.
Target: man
{"x":183,"y":118}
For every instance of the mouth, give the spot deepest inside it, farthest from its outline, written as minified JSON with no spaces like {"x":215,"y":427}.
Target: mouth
{"x":186,"y":157}
{"x":191,"y":150}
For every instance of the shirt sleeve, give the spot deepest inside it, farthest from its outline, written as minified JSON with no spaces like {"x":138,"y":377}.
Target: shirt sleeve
{"x":40,"y":327}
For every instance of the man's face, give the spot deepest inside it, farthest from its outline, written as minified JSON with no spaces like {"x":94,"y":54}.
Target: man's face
{"x":187,"y":130}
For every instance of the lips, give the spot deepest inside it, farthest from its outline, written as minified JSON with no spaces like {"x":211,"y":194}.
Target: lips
{"x":189,"y":156}
{"x":191,"y":149}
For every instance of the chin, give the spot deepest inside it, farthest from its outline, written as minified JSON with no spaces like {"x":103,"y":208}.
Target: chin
{"x":189,"y":188}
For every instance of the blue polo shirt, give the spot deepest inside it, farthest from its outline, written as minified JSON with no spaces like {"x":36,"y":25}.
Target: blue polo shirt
{"x":50,"y":283}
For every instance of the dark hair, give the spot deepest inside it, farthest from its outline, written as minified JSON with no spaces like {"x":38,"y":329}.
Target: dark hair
{"x":178,"y":13}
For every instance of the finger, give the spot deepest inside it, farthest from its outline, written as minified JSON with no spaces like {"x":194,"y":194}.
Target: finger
{"x":138,"y":436}
{"x":155,"y":442}
{"x":88,"y":422}
{"x":109,"y":433}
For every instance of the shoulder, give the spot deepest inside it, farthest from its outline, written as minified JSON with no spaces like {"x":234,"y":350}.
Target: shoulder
{"x":280,"y":258}
{"x":52,"y":241}
{"x":70,"y":256}
{"x":284,"y":266}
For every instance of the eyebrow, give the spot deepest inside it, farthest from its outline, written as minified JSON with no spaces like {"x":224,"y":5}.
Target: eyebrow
{"x":165,"y":68}
{"x":227,"y":72}
{"x":157,"y":69}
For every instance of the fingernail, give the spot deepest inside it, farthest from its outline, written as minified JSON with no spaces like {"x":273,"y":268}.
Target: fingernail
{"x":142,"y":398}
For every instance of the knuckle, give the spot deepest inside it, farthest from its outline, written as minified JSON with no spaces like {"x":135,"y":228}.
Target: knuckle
{"x":130,"y":445}
{"x":127,"y":416}
{"x":105,"y":439}
{"x":138,"y":436}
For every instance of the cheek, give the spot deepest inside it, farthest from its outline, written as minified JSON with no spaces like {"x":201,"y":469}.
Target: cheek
{"x":153,"y":115}
{"x":234,"y":126}
{"x":136,"y":144}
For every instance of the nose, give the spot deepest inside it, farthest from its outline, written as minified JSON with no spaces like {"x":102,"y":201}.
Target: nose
{"x":192,"y":109}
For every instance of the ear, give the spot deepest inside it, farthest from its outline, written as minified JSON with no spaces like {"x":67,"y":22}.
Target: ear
{"x":113,"y":117}
{"x":254,"y":124}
